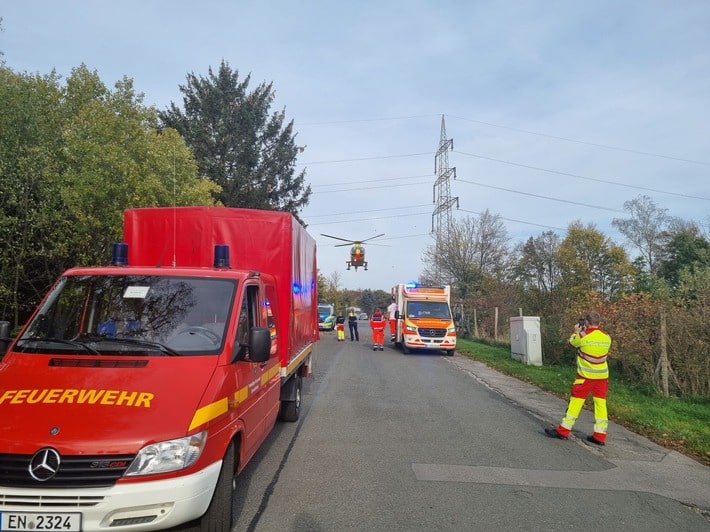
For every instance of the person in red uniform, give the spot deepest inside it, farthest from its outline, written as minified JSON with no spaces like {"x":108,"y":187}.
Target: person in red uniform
{"x":378,"y":323}
{"x":592,"y":346}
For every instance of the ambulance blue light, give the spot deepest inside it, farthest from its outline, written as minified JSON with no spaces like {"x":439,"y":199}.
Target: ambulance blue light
{"x":411,"y":284}
{"x":120,"y":254}
{"x":296,"y":288}
{"x":221,"y":256}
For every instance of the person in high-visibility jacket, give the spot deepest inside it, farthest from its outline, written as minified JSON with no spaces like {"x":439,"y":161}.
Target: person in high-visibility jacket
{"x":592,"y":346}
{"x":352,"y":325}
{"x":340,"y":327}
{"x":378,"y":323}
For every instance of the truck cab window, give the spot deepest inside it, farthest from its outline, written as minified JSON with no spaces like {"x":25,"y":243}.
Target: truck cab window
{"x":248,"y":318}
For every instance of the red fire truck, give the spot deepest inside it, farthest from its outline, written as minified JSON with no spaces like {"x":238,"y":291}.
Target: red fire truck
{"x":138,"y":391}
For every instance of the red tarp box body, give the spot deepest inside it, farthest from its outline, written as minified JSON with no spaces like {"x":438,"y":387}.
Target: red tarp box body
{"x":265,"y":241}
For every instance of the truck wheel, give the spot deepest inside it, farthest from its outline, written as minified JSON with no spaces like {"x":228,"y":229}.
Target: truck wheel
{"x":218,"y":517}
{"x":449,"y":352}
{"x":405,"y":349}
{"x":290,"y":410}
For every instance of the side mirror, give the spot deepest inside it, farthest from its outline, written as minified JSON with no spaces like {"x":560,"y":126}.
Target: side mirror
{"x":396,"y":315}
{"x":4,"y":336}
{"x":259,"y":344}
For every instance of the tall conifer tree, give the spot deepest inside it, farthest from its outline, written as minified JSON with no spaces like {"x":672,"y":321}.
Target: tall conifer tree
{"x":238,"y":142}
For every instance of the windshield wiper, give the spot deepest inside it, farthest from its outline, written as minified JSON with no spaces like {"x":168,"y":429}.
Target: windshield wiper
{"x":155,"y":346}
{"x":72,"y":343}
{"x":147,"y":343}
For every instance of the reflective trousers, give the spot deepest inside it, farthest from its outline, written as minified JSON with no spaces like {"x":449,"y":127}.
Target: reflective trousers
{"x":580,"y":391}
{"x":378,"y":336}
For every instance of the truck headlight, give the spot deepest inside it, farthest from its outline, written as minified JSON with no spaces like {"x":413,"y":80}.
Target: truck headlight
{"x":450,"y":330}
{"x":410,"y":329}
{"x":167,"y":456}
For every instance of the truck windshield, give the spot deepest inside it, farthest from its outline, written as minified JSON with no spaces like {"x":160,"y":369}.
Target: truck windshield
{"x":131,"y":314}
{"x":428,"y":309}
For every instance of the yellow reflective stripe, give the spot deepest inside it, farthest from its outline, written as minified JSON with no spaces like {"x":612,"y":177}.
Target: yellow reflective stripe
{"x":209,"y":412}
{"x":270,"y":374}
{"x":218,"y":408}
{"x":286,"y":371}
{"x":241,"y":395}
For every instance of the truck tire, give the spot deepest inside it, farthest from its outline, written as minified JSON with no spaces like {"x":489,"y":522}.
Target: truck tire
{"x":405,"y":349}
{"x":449,"y":352}
{"x":290,"y":410}
{"x":218,"y":517}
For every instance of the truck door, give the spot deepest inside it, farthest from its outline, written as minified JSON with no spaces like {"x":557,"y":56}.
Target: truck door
{"x":250,"y":373}
{"x":272,"y":381}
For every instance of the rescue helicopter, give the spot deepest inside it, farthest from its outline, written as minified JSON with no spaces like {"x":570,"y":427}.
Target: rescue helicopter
{"x":357,"y":251}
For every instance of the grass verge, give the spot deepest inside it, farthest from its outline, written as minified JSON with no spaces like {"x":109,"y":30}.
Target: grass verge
{"x":676,"y":423}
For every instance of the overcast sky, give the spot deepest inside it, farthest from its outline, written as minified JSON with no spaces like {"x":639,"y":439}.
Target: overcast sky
{"x":558,"y":110}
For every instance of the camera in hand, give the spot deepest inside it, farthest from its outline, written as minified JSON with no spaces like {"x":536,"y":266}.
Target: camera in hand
{"x":582,"y":323}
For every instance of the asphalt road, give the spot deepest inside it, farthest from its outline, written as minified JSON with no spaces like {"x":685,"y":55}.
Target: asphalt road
{"x":388,"y":441}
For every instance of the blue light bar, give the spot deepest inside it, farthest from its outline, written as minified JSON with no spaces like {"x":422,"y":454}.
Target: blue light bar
{"x":221,"y":256}
{"x":120,"y":254}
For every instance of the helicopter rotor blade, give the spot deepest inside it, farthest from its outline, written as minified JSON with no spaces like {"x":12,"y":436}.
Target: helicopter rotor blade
{"x":372,"y":238}
{"x":338,"y":238}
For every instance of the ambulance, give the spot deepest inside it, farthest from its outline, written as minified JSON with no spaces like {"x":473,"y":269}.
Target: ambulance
{"x":424,"y":318}
{"x":137,"y":392}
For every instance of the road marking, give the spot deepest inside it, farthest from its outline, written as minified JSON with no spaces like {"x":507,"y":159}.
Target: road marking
{"x":676,"y":477}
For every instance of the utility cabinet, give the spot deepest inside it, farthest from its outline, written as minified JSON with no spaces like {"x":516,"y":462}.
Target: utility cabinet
{"x":525,"y":341}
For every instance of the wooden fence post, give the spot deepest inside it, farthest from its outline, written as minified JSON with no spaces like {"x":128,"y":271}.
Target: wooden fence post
{"x":664,"y":354}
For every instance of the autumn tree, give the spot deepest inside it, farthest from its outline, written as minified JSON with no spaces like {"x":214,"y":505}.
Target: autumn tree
{"x":238,"y":142}
{"x":536,"y":269}
{"x":117,"y":158}
{"x":537,"y":265}
{"x":473,"y":249}
{"x":30,"y":208}
{"x":591,"y":261}
{"x":645,"y":228}
{"x":686,"y":250}
{"x":74,"y":157}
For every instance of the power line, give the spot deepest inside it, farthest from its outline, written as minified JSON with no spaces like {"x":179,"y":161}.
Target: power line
{"x":568,"y":174}
{"x":542,"y":197}
{"x":377,"y":180}
{"x":371,"y":188}
{"x":509,"y":163}
{"x":389,"y":209}
{"x":519,"y":221}
{"x":385,"y":119}
{"x":362,"y":220}
{"x":376,"y":157}
{"x":517,"y":130}
{"x":587,"y":143}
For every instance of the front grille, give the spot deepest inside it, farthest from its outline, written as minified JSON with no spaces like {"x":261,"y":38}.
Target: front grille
{"x":432,"y":333}
{"x":48,"y":501}
{"x":74,"y":471}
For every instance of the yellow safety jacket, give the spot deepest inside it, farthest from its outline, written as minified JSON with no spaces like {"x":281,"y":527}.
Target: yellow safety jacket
{"x":592,"y":348}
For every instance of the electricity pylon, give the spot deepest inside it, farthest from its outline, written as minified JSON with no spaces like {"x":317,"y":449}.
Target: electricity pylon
{"x":441,"y":217}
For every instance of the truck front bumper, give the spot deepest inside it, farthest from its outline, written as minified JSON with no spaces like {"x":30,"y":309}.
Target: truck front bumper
{"x":414,"y":341}
{"x":135,"y":506}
